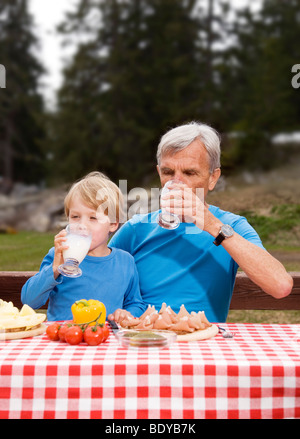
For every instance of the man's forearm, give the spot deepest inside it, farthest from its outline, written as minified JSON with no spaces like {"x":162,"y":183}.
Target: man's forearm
{"x":261,"y":267}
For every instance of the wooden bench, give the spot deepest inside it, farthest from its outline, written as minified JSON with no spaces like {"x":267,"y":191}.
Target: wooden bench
{"x":246,"y":294}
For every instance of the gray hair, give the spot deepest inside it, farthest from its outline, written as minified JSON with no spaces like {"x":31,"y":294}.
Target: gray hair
{"x":182,"y":136}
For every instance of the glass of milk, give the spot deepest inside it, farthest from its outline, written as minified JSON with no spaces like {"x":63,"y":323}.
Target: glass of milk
{"x":166,"y":219}
{"x":79,"y":240}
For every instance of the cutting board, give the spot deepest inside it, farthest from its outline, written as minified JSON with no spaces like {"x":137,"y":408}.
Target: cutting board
{"x":23,"y":334}
{"x":201,"y":334}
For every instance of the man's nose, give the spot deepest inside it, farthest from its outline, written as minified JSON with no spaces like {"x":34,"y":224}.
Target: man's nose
{"x":179,"y":177}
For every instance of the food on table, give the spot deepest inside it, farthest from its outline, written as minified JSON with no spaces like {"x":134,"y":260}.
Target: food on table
{"x":93,"y":335}
{"x":187,"y":326}
{"x":53,"y":331}
{"x":62,"y":329}
{"x":145,"y":335}
{"x":88,"y":324}
{"x":167,"y":319}
{"x":74,"y":333}
{"x":139,"y":338}
{"x":147,"y":338}
{"x":105,"y":333}
{"x":13,"y":320}
{"x":88,"y":311}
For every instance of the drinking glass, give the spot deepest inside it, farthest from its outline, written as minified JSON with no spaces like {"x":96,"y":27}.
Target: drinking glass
{"x":79,"y":240}
{"x":166,"y":219}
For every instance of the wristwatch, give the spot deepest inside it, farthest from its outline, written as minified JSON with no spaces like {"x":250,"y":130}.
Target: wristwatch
{"x":226,"y":231}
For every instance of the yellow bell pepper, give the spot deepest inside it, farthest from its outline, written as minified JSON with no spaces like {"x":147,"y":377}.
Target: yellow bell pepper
{"x":88,"y":311}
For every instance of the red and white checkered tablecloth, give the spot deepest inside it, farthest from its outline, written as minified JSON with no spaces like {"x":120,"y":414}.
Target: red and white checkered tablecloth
{"x":254,"y":375}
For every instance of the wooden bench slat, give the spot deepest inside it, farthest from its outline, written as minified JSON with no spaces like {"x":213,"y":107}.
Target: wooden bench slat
{"x":11,"y":283}
{"x":246,"y":294}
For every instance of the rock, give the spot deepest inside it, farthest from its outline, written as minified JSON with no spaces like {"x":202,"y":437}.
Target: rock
{"x":31,"y":208}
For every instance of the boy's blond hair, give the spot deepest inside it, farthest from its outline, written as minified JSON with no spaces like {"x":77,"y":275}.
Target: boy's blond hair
{"x":97,"y":191}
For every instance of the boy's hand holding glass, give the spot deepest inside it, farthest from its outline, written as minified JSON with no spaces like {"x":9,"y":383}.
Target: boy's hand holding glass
{"x":78,"y":241}
{"x":59,"y":246}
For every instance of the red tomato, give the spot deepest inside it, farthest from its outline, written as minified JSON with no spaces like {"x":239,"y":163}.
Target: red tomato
{"x":93,"y":335}
{"x":105,"y":333}
{"x":74,"y":335}
{"x":62,"y":331}
{"x":52,"y":331}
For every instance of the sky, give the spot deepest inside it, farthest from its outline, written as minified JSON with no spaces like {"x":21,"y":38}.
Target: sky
{"x":51,"y":53}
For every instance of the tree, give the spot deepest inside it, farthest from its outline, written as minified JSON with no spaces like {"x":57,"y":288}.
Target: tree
{"x":263,"y":101}
{"x":136,"y":76}
{"x":144,"y":66}
{"x":21,"y":104}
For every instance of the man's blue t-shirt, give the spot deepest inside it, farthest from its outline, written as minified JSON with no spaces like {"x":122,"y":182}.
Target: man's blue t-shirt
{"x":183,"y":266}
{"x":112,"y":279}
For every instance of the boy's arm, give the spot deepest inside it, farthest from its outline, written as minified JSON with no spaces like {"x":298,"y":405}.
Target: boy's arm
{"x":37,"y":289}
{"x":133,"y":301}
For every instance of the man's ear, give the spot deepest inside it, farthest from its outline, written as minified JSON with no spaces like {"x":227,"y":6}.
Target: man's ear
{"x":214,"y":177}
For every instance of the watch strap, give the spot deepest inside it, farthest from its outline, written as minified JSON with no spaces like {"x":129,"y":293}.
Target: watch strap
{"x":219,"y":239}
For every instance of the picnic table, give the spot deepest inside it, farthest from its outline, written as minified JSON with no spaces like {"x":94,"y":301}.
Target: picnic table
{"x":255,"y":375}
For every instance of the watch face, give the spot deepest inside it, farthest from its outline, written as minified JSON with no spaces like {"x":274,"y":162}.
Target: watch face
{"x":227,"y":230}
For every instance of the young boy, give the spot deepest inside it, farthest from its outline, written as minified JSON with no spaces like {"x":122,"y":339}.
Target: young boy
{"x":108,"y":274}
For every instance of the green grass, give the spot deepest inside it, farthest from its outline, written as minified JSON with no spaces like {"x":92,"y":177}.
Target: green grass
{"x":280,"y":227}
{"x":264,"y":316}
{"x":24,"y":251}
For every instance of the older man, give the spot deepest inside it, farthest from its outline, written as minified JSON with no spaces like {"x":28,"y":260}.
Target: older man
{"x":196,"y":264}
